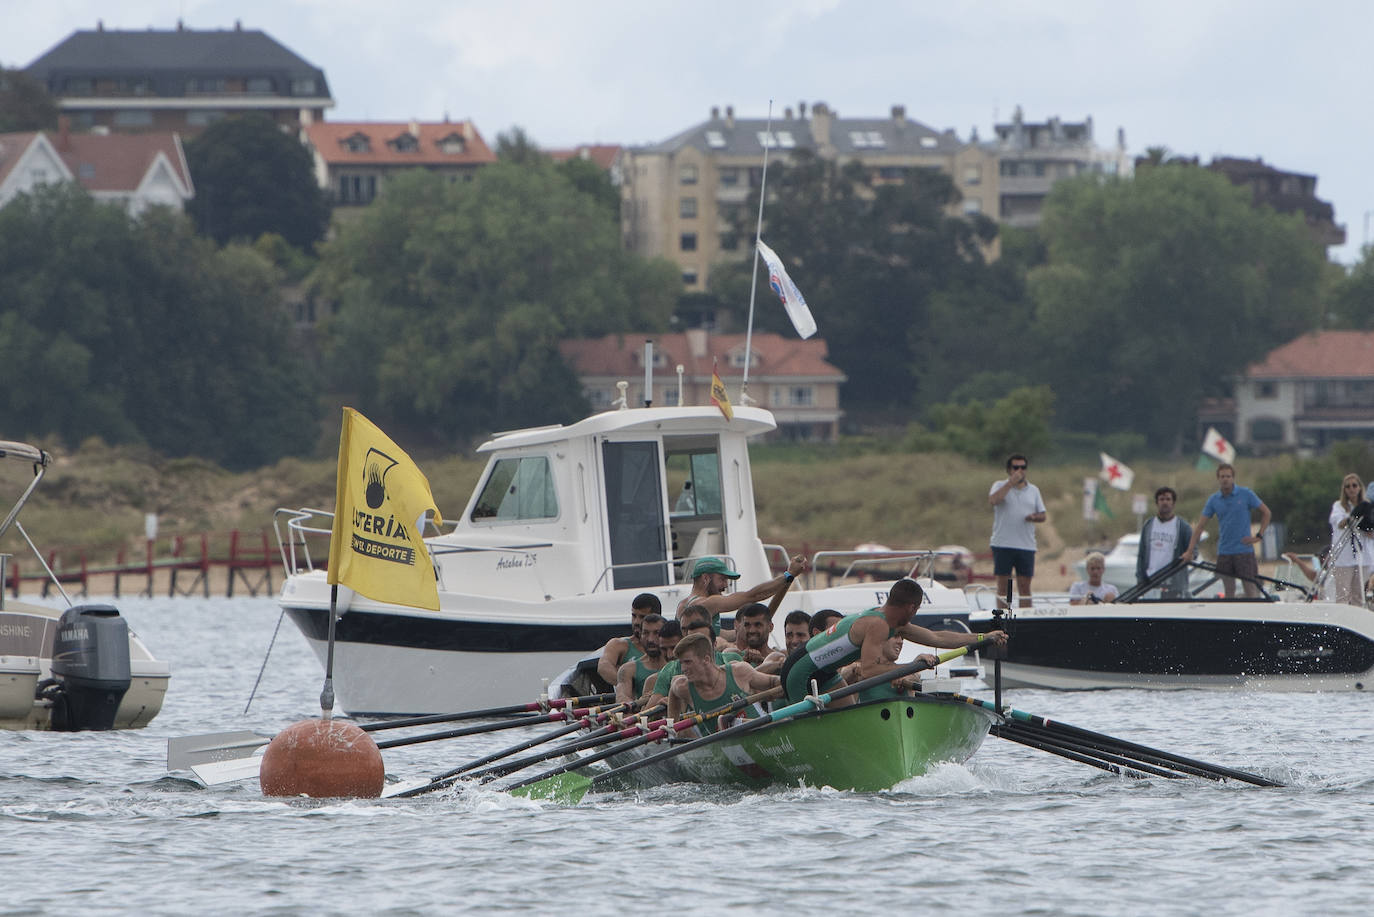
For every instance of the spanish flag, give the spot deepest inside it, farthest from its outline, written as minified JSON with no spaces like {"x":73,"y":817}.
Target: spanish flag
{"x":380,"y":506}
{"x":718,"y":396}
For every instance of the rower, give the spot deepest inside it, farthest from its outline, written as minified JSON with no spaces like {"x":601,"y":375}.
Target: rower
{"x":796,"y":630}
{"x":694,"y":620}
{"x":861,"y":637}
{"x":711,"y":577}
{"x":630,"y":678}
{"x":753,"y":627}
{"x":620,"y":650}
{"x":821,"y":621}
{"x":892,"y":650}
{"x":704,"y":685}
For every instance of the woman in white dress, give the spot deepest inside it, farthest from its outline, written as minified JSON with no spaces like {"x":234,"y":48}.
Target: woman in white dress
{"x":1351,"y":557}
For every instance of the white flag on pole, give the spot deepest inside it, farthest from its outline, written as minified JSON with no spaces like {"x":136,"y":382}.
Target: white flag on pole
{"x":1115,"y":473}
{"x":787,"y":291}
{"x":1215,"y":445}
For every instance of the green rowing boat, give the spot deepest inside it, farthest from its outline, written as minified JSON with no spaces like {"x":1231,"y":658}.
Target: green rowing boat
{"x":870,"y":746}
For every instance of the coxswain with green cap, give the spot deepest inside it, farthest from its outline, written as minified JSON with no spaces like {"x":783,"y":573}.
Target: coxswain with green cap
{"x":711,"y":577}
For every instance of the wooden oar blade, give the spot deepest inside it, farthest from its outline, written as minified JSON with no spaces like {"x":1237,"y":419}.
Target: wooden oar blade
{"x":567,"y":788}
{"x":185,"y":751}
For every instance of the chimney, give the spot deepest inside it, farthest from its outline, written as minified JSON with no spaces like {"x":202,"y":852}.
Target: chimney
{"x":467,"y":130}
{"x":715,"y":112}
{"x":820,"y":123}
{"x":696,"y":342}
{"x":238,"y":25}
{"x":415,"y":128}
{"x":729,"y":116}
{"x":899,"y":114}
{"x":64,"y":133}
{"x":787,"y":113}
{"x":801,"y":110}
{"x":180,"y":26}
{"x":100,"y":25}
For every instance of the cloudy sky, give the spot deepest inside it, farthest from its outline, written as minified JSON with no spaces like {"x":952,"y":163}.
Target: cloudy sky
{"x":1287,"y":81}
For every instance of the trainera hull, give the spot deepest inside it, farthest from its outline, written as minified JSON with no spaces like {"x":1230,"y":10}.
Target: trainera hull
{"x":867,"y":747}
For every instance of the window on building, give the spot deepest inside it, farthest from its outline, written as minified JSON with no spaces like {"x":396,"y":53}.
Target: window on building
{"x":133,"y":117}
{"x":786,"y":140}
{"x":687,"y":208}
{"x":77,"y":86}
{"x":688,"y":242}
{"x":892,"y":173}
{"x":929,"y":143}
{"x":689,"y":277}
{"x":1266,"y":390}
{"x":516,"y":489}
{"x":357,"y":143}
{"x":867,"y":140}
{"x":202,"y":117}
{"x":715,"y":140}
{"x":453,"y":144}
{"x":304,"y":86}
{"x":972,"y":205}
{"x":973,"y":173}
{"x":1266,"y":431}
{"x":357,"y":189}
{"x":736,"y":358}
{"x":405,"y":143}
{"x":598,"y":398}
{"x":687,"y":174}
{"x":259,"y":85}
{"x":729,"y":177}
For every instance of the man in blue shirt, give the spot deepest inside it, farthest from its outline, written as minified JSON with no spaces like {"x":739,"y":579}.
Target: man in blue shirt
{"x":1235,"y":555}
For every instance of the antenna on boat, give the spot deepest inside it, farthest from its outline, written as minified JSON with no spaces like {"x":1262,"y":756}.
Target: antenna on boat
{"x":648,"y":372}
{"x":679,"y":384}
{"x":744,"y":398}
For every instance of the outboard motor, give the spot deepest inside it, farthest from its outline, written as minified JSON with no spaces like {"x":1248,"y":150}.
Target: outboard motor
{"x":90,"y":667}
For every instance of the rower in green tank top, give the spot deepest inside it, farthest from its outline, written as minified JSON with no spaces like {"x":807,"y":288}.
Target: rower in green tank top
{"x":620,"y":650}
{"x":707,"y":686}
{"x":629,"y":681}
{"x":656,"y":687}
{"x":861,"y":637}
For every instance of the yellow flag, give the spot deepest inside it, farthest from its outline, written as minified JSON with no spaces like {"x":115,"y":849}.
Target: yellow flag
{"x":379,"y":507}
{"x":718,"y":396}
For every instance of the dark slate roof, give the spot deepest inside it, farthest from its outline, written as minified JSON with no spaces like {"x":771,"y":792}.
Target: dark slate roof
{"x":167,"y":58}
{"x":906,"y":137}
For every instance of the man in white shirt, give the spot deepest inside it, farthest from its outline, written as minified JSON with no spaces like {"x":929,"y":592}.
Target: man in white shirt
{"x":1094,"y":590}
{"x":1016,"y":507}
{"x":1163,"y":539}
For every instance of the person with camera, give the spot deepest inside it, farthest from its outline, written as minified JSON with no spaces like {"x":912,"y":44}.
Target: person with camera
{"x":1351,"y":557}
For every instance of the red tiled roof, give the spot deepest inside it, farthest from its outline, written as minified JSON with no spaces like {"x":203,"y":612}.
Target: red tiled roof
{"x":1322,"y":355}
{"x":621,"y":355}
{"x":12,"y":146}
{"x":327,"y":137}
{"x":603,"y":154}
{"x":118,"y":162}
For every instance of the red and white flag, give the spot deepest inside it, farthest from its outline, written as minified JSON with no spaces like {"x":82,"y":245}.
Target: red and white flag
{"x":1215,"y":445}
{"x":1115,"y":473}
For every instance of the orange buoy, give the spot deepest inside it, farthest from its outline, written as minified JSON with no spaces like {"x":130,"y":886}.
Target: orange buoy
{"x":321,"y":759}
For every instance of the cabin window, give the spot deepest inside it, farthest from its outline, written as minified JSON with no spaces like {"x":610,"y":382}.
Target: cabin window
{"x":699,"y":492}
{"x":517,"y":489}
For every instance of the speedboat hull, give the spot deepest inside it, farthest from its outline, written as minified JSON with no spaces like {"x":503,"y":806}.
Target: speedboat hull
{"x":1239,"y":645}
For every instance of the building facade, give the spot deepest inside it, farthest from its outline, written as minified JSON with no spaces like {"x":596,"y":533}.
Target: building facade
{"x":1031,"y":157}
{"x":354,"y":160}
{"x":1285,"y":192}
{"x":180,"y":80}
{"x":1303,"y":396}
{"x":787,"y":376}
{"x":134,"y":172}
{"x":680,"y":199}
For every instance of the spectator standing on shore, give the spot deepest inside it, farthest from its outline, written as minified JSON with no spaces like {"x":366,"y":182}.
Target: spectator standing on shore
{"x":1352,"y":548}
{"x":1016,"y":508}
{"x":1232,"y":505}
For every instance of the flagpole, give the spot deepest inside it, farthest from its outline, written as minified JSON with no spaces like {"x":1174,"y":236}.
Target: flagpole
{"x":744,"y":398}
{"x":327,"y":694}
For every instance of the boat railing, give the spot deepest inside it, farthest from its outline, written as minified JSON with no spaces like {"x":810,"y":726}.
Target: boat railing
{"x":40,"y":461}
{"x":677,"y":569}
{"x":916,"y":563}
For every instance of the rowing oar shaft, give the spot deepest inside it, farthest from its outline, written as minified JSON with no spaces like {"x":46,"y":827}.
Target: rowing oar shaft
{"x":1083,"y":754}
{"x":554,"y":717}
{"x":1063,"y":731}
{"x":531,"y":707}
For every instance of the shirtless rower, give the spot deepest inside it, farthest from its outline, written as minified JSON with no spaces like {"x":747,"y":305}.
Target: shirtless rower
{"x":620,"y":650}
{"x":861,"y":637}
{"x":629,"y":681}
{"x":711,"y":577}
{"x":704,"y":686}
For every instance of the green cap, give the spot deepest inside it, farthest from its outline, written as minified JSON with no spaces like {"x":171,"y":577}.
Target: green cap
{"x":713,"y":565}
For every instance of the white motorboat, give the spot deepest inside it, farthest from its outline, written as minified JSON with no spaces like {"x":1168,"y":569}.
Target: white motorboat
{"x":1278,"y":641}
{"x":566,"y":525}
{"x":78,"y":667}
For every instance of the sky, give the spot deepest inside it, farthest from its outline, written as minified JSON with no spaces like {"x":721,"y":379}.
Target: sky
{"x":1286,"y":81}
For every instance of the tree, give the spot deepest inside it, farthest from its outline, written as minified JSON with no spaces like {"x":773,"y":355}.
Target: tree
{"x":24,"y":104}
{"x":137,"y":330}
{"x":870,"y":258}
{"x":519,"y":148}
{"x":1300,"y":495}
{"x":1018,"y":421}
{"x":595,"y":182}
{"x":1352,"y":299}
{"x":1160,"y":289}
{"x":251,"y":179}
{"x":453,"y":297}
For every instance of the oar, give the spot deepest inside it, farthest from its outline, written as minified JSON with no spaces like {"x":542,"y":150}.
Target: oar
{"x":638,"y":737}
{"x":571,"y":787}
{"x":1122,"y":747}
{"x":1082,"y":754}
{"x":608,"y":733}
{"x":184,"y":751}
